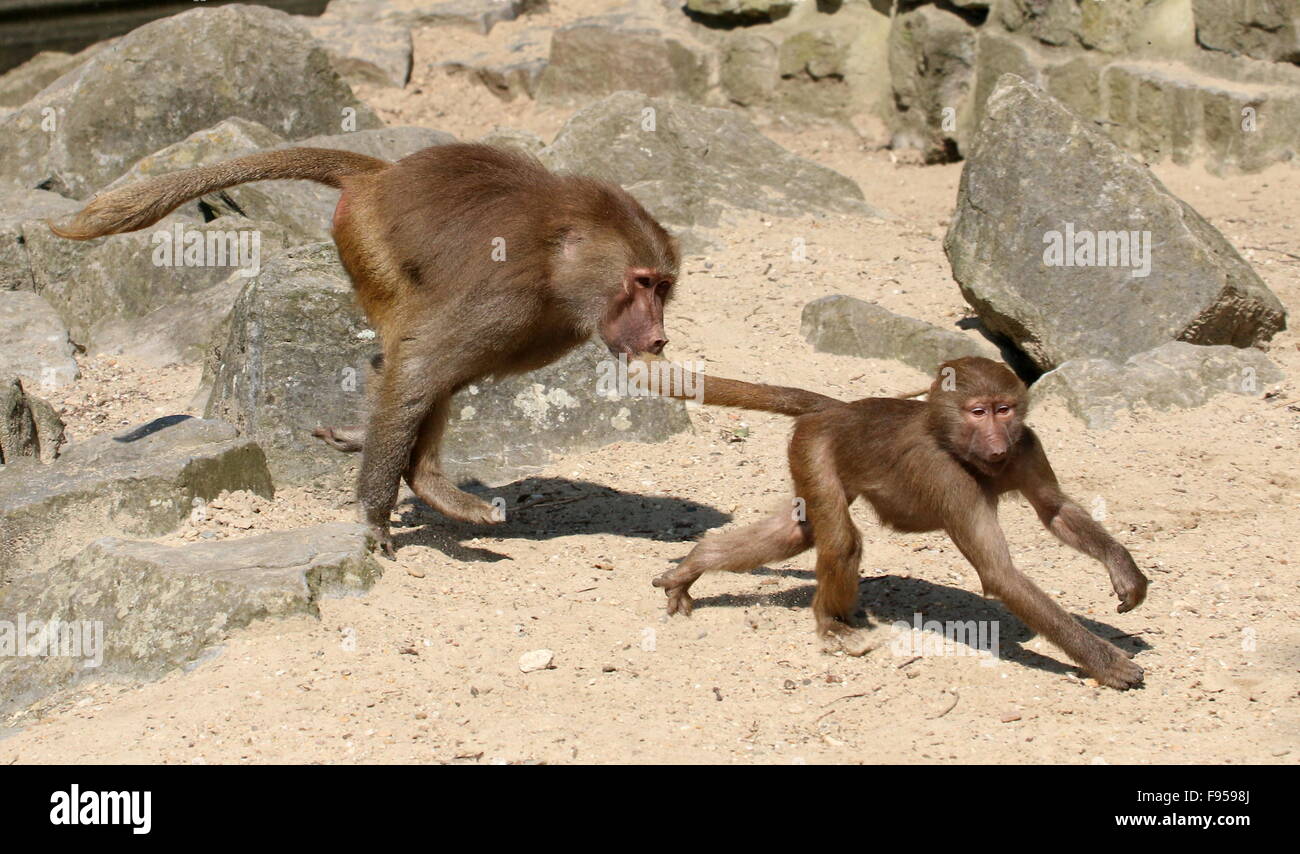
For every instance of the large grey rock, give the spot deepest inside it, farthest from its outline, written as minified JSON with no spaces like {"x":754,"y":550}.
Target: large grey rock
{"x":1233,"y":113}
{"x":1261,"y":29}
{"x":179,"y":332}
{"x":141,"y":482}
{"x":598,"y":56}
{"x":477,"y":15}
{"x":1040,"y":176}
{"x":508,"y":70}
{"x":502,"y":430}
{"x":296,"y":356}
{"x":22,"y":212}
{"x":97,"y":284}
{"x":152,"y":608}
{"x":688,"y":163}
{"x":852,"y":327}
{"x":20,"y":84}
{"x":29,"y":427}
{"x":293,"y":357}
{"x":34,"y":343}
{"x":204,"y":66}
{"x":1173,"y":375}
{"x":377,"y":54}
{"x":932,"y":68}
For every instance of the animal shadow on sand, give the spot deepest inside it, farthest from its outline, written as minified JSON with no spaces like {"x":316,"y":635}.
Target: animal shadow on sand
{"x":887,"y":599}
{"x":542,"y":508}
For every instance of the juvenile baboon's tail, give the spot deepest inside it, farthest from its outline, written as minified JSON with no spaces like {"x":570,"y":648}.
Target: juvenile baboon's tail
{"x":680,"y":383}
{"x":141,"y":205}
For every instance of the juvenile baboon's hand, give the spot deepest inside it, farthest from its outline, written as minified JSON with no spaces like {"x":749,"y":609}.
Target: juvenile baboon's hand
{"x":1130,"y":585}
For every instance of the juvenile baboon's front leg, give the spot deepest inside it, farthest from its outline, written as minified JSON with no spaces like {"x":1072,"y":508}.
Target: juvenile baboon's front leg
{"x":1073,"y":526}
{"x":980,"y":539}
{"x":839,"y":545}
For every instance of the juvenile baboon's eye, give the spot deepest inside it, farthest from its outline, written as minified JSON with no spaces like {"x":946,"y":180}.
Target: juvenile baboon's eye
{"x":1004,"y":410}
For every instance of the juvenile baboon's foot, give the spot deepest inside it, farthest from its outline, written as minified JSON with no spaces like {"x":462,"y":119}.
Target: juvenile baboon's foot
{"x":1114,"y":668}
{"x":346,"y":439}
{"x":677,"y":590}
{"x":441,"y":495}
{"x":842,"y":637}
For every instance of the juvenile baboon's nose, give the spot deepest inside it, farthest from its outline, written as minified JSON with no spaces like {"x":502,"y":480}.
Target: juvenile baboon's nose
{"x":657,"y":345}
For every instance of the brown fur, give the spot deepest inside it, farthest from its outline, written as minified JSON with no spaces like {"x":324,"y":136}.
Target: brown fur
{"x":923,"y":466}
{"x":417,"y":239}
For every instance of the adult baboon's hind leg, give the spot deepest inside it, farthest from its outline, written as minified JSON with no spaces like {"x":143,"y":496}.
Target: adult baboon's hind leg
{"x":424,"y":474}
{"x":352,"y":439}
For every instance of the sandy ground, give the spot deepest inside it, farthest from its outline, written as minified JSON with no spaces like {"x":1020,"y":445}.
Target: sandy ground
{"x":425,"y":668}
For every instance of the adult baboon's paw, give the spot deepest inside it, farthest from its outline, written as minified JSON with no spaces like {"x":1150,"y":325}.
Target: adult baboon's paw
{"x":840,"y":637}
{"x":383,"y":541}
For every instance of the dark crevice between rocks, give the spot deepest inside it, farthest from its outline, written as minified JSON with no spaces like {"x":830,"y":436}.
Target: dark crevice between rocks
{"x":740,"y":21}
{"x":974,"y":17}
{"x":1015,"y":358}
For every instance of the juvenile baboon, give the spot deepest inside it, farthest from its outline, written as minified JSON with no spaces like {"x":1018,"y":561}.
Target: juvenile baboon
{"x":939,"y":464}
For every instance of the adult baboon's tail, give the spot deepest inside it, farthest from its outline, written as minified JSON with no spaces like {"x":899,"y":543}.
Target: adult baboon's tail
{"x":141,"y":205}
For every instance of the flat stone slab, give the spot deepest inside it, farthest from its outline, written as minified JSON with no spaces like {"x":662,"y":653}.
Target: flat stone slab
{"x":1174,"y":375}
{"x":139,"y":609}
{"x":142,"y":482}
{"x":851,"y":327}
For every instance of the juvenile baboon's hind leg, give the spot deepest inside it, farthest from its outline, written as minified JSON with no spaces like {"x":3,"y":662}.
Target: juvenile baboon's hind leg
{"x":778,"y":537}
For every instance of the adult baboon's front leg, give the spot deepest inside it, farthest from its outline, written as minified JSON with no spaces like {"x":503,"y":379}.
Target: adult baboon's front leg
{"x":408,"y":391}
